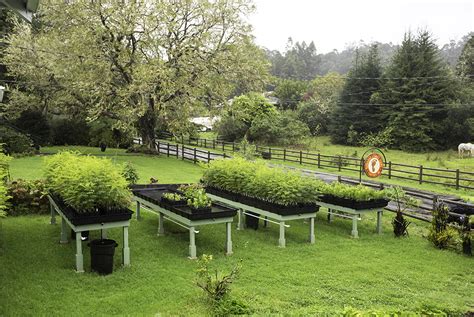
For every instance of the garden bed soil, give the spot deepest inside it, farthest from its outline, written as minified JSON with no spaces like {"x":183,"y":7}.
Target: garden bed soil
{"x":265,"y":205}
{"x":354,"y":204}
{"x":86,"y":218}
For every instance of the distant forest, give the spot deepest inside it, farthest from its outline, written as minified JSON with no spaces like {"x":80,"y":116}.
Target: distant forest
{"x":302,"y":61}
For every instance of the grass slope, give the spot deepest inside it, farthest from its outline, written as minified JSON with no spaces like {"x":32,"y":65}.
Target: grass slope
{"x":374,"y":272}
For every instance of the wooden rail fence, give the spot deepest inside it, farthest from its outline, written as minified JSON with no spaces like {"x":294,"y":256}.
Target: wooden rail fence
{"x":416,"y":173}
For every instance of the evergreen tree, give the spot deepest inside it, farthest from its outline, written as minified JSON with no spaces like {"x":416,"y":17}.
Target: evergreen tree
{"x":354,"y":115}
{"x":416,"y":95}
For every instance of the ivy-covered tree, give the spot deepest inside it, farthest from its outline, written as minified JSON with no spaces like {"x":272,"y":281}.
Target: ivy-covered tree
{"x":354,"y":114}
{"x":417,"y":91}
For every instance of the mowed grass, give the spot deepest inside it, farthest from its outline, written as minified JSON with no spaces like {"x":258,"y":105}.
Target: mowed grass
{"x":374,"y":272}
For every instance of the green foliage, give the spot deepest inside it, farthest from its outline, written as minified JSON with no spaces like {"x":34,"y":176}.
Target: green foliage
{"x":4,"y":197}
{"x":230,"y":128}
{"x":441,"y":234}
{"x":257,"y":180}
{"x":247,"y":150}
{"x":403,"y":202}
{"x":357,"y":193}
{"x":290,"y":92}
{"x":28,"y":197}
{"x":104,"y":131}
{"x":70,"y":132}
{"x":247,"y":107}
{"x":140,"y":148}
{"x":354,"y":110}
{"x":15,"y":142}
{"x":382,"y":139}
{"x":35,"y":124}
{"x":196,"y":196}
{"x":216,"y":285}
{"x":129,"y":172}
{"x":86,"y":183}
{"x":173,"y":196}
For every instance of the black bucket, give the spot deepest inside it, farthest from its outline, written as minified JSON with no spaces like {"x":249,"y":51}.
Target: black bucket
{"x":102,"y":255}
{"x":250,"y":221}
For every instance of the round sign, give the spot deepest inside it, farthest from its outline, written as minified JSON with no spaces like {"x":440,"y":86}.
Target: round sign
{"x":373,"y":165}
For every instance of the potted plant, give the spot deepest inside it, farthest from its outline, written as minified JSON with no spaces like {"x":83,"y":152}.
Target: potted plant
{"x":255,"y":184}
{"x":89,"y":190}
{"x":355,"y":197}
{"x":196,"y":198}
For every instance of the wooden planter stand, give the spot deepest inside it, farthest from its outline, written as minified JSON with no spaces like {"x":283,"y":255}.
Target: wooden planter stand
{"x":353,"y":214}
{"x":189,"y":224}
{"x":87,"y":227}
{"x":280,"y":219}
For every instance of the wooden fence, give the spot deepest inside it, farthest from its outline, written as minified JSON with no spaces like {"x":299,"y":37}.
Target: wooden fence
{"x":417,"y":173}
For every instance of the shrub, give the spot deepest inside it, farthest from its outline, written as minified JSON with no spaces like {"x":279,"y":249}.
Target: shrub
{"x":35,"y":124}
{"x":129,"y":172}
{"x":87,"y":183}
{"x":441,"y":235}
{"x":28,"y":197}
{"x":257,"y":180}
{"x":70,"y":132}
{"x":231,"y":129}
{"x":196,"y":196}
{"x":4,"y":197}
{"x":357,"y":193}
{"x":102,"y":131}
{"x":15,"y":142}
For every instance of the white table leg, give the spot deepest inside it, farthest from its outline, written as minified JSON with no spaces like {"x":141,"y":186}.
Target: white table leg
{"x":79,"y":256}
{"x":161,"y":227}
{"x":229,"y":238}
{"x":64,"y":231}
{"x":282,"y":241}
{"x":240,"y":224}
{"x":103,"y":233}
{"x":126,"y":249}
{"x":311,"y":230}
{"x":354,"y":233}
{"x":192,"y":243}
{"x":330,"y":215}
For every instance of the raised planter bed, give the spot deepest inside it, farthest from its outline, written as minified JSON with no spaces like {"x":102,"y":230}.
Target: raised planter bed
{"x":216,"y":211}
{"x":103,"y":216}
{"x":265,"y":205}
{"x":354,"y":204}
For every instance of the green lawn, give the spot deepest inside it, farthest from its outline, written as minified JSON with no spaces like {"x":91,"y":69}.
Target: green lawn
{"x":374,"y":272}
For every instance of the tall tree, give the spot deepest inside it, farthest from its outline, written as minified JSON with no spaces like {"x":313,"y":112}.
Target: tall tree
{"x":140,"y":61}
{"x":354,"y":114}
{"x":416,"y":95}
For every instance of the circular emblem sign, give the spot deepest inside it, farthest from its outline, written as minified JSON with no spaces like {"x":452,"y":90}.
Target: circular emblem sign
{"x":373,"y":165}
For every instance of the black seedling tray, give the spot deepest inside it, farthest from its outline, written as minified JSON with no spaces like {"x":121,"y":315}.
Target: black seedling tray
{"x":217,"y":211}
{"x":354,"y":204}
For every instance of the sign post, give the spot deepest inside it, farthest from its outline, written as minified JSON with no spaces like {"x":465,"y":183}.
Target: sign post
{"x":372,"y":163}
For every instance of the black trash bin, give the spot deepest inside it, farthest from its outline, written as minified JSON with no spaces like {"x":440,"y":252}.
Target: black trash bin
{"x":102,"y":255}
{"x":250,"y":221}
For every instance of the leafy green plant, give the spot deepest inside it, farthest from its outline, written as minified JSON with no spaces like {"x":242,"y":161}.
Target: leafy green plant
{"x":357,"y":193}
{"x":215,"y":284}
{"x":403,"y":202}
{"x":86,"y":183}
{"x":257,"y":180}
{"x":173,"y":196}
{"x":28,"y":197}
{"x":441,"y":234}
{"x":196,"y":196}
{"x":130,"y":173}
{"x":4,"y":197}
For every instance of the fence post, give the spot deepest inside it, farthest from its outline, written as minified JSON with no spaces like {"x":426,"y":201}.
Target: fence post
{"x":233,"y":147}
{"x":195,"y":158}
{"x":339,"y":178}
{"x":319,"y":160}
{"x":339,"y":163}
{"x":158,"y":145}
{"x":435,"y":201}
{"x":457,"y":178}
{"x":205,"y":143}
{"x":182,"y":139}
{"x":301,"y":157}
{"x":168,"y":150}
{"x":177,"y":151}
{"x":208,"y":156}
{"x":390,"y":170}
{"x":223,"y":146}
{"x":421,"y":174}
{"x":270,"y":151}
{"x":182,"y":151}
{"x":213,"y":144}
{"x":284,"y":155}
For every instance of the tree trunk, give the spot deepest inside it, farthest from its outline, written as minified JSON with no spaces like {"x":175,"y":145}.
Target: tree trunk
{"x":147,"y":125}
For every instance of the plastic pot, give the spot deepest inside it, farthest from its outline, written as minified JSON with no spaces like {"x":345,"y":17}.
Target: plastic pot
{"x":250,"y":221}
{"x":102,"y":255}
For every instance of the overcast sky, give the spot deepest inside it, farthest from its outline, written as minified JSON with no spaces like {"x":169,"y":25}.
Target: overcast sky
{"x":332,"y":24}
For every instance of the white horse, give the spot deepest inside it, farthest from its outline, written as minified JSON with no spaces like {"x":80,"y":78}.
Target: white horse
{"x":466,"y":148}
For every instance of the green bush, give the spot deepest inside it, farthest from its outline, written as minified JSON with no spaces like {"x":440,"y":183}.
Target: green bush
{"x":231,"y":129}
{"x":441,"y":234}
{"x":15,"y":142}
{"x":36,"y":125}
{"x":27,"y":197}
{"x":129,"y":172}
{"x":357,"y":193}
{"x":70,"y":132}
{"x":86,"y":183}
{"x":103,"y":131}
{"x":257,"y":180}
{"x":4,"y":197}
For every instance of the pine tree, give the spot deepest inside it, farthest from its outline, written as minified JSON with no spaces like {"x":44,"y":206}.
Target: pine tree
{"x":354,"y":115}
{"x":416,"y":93}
